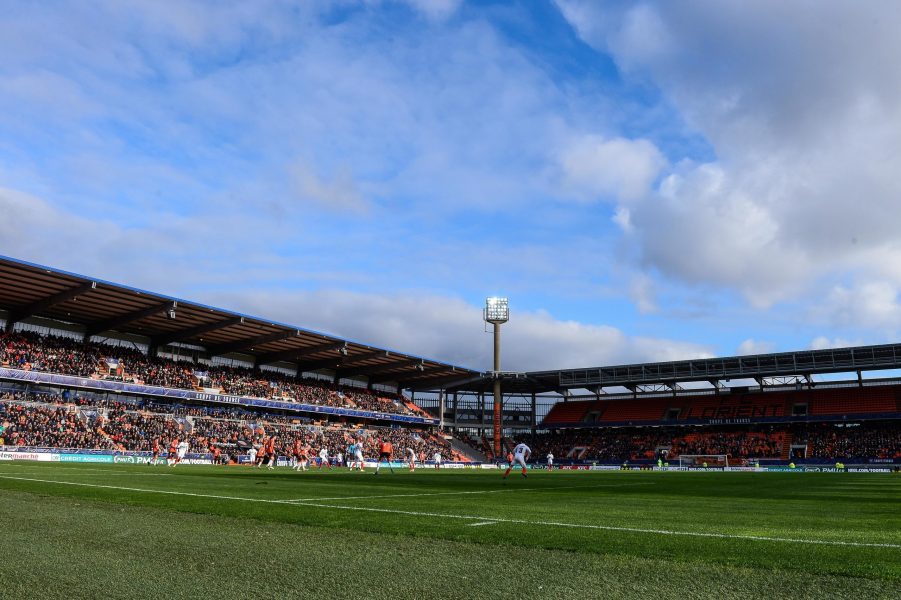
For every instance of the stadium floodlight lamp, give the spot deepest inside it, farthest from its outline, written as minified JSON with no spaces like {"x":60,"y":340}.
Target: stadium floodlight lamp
{"x":497,"y":310}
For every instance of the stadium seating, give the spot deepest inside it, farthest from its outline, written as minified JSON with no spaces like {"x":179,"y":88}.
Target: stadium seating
{"x":875,"y":440}
{"x":822,"y":402}
{"x":566,"y":412}
{"x":55,"y":354}
{"x":882,"y":399}
{"x":768,"y":442}
{"x":732,"y":406}
{"x":31,"y":420}
{"x":617,"y":411}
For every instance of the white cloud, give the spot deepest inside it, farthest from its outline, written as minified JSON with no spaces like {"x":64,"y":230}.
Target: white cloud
{"x":619,"y":169}
{"x":434,"y":326}
{"x":873,"y":304}
{"x":166,"y":254}
{"x":752,"y":346}
{"x":340,"y":193}
{"x":824,"y":343}
{"x":803,"y":115}
{"x":449,"y":329}
{"x":703,"y":226}
{"x":643,"y":293}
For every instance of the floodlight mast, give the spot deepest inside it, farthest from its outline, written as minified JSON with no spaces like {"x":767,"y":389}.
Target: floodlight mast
{"x":497,"y":311}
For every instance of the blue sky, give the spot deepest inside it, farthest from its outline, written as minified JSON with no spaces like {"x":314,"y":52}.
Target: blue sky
{"x":645,"y":181}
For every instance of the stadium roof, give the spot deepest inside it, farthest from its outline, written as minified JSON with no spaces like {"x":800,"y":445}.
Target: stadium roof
{"x":805,"y":364}
{"x":99,"y":307}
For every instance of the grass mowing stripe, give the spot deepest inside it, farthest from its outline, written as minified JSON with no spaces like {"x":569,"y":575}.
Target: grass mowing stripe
{"x":724,"y":536}
{"x":542,"y":489}
{"x":666,"y":532}
{"x":103,"y":473}
{"x":147,"y":491}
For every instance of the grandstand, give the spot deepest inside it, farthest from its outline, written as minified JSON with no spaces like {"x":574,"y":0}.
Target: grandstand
{"x":90,"y":365}
{"x":772,"y":408}
{"x":124,"y":351}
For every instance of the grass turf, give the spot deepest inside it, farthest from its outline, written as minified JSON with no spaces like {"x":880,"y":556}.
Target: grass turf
{"x":234,"y":532}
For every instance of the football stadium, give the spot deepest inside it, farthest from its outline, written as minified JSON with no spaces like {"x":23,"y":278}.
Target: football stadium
{"x":450,"y":299}
{"x":154,"y":446}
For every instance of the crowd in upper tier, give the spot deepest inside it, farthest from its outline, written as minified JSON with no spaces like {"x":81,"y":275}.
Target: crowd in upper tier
{"x":817,"y":440}
{"x":878,"y":440}
{"x":55,"y":354}
{"x":33,"y":420}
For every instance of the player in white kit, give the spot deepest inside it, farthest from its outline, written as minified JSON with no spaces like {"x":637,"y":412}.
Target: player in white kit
{"x":550,"y":461}
{"x":520,"y":455}
{"x":323,"y":458}
{"x":358,"y":455}
{"x":182,"y":450}
{"x":411,"y":458}
{"x":437,"y":459}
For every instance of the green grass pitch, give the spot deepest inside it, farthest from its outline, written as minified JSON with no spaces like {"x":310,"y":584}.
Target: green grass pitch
{"x":85,"y":531}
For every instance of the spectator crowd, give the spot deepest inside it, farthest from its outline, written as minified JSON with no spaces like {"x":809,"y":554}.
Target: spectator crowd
{"x":67,"y":356}
{"x":38,"y":420}
{"x":876,"y":440}
{"x":823,"y":440}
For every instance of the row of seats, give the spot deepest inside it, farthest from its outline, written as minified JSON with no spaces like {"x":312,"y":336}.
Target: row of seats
{"x":856,"y":400}
{"x":824,"y":402}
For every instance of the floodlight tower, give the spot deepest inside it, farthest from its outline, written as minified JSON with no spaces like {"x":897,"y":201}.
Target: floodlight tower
{"x":497,"y":312}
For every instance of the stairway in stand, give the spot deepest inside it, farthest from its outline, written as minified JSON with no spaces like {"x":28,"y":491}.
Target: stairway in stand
{"x":787,"y":446}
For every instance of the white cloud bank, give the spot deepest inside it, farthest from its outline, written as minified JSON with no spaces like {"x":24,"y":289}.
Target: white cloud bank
{"x":803,"y":109}
{"x":452,"y":330}
{"x":432,"y":326}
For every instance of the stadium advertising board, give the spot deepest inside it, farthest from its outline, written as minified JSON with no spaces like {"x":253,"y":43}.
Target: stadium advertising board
{"x":869,"y":469}
{"x":823,"y":469}
{"x":86,"y":458}
{"x":132,"y":459}
{"x":38,"y":456}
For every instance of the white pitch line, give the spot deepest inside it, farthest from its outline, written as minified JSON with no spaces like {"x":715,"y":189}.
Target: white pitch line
{"x":511,"y":489}
{"x":482,"y":518}
{"x":482,"y":523}
{"x":735,"y":536}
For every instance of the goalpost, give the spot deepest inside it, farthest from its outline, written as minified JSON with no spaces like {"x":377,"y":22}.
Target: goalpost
{"x":699,"y":461}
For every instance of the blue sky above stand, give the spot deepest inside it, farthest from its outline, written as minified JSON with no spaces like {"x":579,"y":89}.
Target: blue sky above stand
{"x":644,"y":180}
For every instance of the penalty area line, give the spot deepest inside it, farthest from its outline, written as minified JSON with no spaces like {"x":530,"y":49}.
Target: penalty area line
{"x":480,"y":519}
